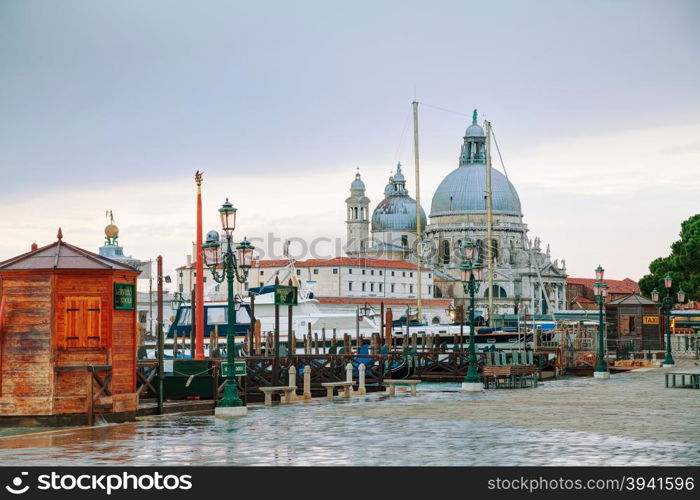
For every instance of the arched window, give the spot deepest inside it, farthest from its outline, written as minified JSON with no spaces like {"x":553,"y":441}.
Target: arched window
{"x":445,"y":252}
{"x":498,"y":292}
{"x":356,"y":213}
{"x":435,"y":320}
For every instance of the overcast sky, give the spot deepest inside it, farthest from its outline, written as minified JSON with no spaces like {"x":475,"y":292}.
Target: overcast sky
{"x":115,"y":104}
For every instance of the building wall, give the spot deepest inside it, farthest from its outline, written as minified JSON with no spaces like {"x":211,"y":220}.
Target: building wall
{"x":26,"y":374}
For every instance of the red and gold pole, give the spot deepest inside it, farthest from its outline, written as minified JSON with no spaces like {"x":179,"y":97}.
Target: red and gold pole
{"x":199,"y":280}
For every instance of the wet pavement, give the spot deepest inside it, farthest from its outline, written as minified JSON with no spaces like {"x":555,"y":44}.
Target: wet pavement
{"x":563,"y":422}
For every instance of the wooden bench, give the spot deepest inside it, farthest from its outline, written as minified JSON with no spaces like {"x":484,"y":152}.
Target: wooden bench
{"x":286,"y":391}
{"x":391,"y":386}
{"x":330,"y":386}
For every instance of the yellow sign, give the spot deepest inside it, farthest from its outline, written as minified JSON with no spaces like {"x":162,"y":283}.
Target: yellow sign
{"x":651,"y":320}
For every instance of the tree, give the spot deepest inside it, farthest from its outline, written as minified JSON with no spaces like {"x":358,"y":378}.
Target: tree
{"x":683,"y":265}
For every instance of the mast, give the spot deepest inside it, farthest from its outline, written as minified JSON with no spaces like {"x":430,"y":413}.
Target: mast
{"x":419,"y":229}
{"x":489,"y":221}
{"x":199,"y":279}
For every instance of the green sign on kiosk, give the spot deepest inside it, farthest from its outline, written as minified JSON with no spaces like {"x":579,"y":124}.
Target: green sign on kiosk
{"x":239,"y":369}
{"x":285,"y":295}
{"x":124,"y":296}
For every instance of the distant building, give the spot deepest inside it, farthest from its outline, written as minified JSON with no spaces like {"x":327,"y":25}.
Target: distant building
{"x":580,"y":293}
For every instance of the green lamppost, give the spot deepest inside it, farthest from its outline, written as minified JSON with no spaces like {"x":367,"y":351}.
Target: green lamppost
{"x":472,"y":274}
{"x":600,"y":290}
{"x":233,"y":267}
{"x":667,"y":305}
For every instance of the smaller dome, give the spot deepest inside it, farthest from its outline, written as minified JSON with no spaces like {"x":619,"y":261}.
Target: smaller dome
{"x":389,"y":189}
{"x":111,"y":231}
{"x":475,"y":130}
{"x":357,"y":183}
{"x":396,"y":213}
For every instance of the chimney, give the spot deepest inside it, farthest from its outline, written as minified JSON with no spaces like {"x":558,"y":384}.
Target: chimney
{"x":35,"y":247}
{"x":189,"y":260}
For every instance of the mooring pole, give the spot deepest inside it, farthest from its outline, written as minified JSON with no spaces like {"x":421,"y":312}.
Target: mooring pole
{"x":252,"y":324}
{"x":290,"y":347}
{"x":276,"y":341}
{"x":159,"y":329}
{"x":381,"y":325}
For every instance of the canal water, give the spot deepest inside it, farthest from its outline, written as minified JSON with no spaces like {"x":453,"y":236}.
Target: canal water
{"x":324,"y":433}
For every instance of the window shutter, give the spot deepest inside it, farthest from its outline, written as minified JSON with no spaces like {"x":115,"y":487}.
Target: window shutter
{"x":83,"y":327}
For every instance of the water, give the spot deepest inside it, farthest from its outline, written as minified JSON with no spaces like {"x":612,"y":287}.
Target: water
{"x":323,"y":433}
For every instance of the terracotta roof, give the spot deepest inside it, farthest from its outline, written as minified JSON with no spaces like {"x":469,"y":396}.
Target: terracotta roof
{"x":387,"y":301}
{"x":634,"y":300}
{"x":62,"y":255}
{"x":626,"y":286}
{"x":581,"y":299}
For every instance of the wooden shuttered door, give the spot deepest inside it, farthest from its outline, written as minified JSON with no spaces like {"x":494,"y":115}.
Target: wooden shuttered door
{"x":83,"y":322}
{"x":624,"y":324}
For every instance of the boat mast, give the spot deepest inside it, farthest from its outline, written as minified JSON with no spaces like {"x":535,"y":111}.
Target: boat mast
{"x":489,"y":220}
{"x":419,"y":229}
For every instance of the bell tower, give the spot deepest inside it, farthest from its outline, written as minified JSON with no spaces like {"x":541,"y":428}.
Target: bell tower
{"x":357,"y":218}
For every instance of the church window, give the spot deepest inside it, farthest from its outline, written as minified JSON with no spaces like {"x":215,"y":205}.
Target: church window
{"x":356,"y":212}
{"x":393,"y":288}
{"x":371,"y":287}
{"x":445,"y":252}
{"x":380,"y":287}
{"x":350,"y":286}
{"x":498,"y":291}
{"x":363,"y":286}
{"x":410,"y":288}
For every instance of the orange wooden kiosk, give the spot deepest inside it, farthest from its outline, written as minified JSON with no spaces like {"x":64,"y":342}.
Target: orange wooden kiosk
{"x":68,"y":337}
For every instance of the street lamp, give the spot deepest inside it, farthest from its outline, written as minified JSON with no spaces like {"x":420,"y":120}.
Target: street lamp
{"x":472,"y":274}
{"x":234,"y":266}
{"x":600,"y":290}
{"x":667,"y":305}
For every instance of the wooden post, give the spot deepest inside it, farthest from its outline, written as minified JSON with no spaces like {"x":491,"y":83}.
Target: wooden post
{"x":307,"y":349}
{"x":323,"y":338}
{"x":292,"y":374}
{"x":289,"y":325}
{"x":315,"y":343}
{"x":276,"y":346}
{"x":307,"y":382}
{"x":253,"y":323}
{"x":348,"y":378}
{"x":362,"y":389}
{"x":90,"y":401}
{"x":387,"y":327}
{"x":381,"y":323}
{"x":258,"y":339}
{"x":175,"y":335}
{"x":159,"y":328}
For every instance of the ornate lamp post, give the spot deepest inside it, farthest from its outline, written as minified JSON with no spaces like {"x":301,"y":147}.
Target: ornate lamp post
{"x":600,"y":290}
{"x":472,"y":274}
{"x":667,"y":304}
{"x":234,"y":266}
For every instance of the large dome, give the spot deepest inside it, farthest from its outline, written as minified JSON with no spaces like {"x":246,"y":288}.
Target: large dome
{"x":463,"y":191}
{"x":396,"y":213}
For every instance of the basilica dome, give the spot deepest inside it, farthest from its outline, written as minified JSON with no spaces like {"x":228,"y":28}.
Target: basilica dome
{"x":397,"y":211}
{"x":463,"y":192}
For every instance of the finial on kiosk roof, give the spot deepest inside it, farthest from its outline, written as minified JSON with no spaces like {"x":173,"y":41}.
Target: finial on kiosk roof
{"x":60,"y":234}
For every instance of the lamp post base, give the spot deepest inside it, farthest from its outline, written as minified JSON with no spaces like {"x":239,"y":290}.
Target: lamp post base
{"x":230,"y":411}
{"x":603,"y":375}
{"x":668,"y":365}
{"x":472,"y":387}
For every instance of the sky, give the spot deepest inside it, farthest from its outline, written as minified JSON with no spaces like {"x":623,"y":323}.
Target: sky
{"x":115,"y":105}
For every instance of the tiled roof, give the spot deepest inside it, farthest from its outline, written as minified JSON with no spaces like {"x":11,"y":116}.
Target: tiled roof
{"x":61,"y":255}
{"x":625,"y":286}
{"x":387,"y":301}
{"x":581,"y":299}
